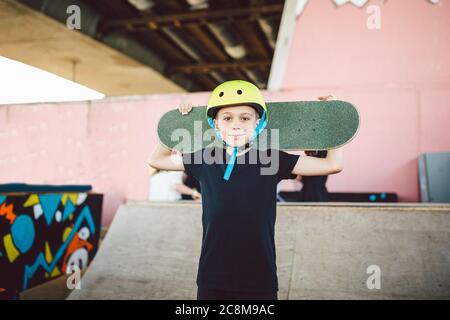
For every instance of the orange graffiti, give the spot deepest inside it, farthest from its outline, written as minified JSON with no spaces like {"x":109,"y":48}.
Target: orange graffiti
{"x":74,"y":245}
{"x":2,"y":289}
{"x":7,"y":211}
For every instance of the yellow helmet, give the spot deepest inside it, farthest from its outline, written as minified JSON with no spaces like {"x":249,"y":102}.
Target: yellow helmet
{"x":235,"y":92}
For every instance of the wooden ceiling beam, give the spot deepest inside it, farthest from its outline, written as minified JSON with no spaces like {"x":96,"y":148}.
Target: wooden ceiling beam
{"x":203,"y":68}
{"x":253,"y":39}
{"x":196,"y":17}
{"x":211,"y":47}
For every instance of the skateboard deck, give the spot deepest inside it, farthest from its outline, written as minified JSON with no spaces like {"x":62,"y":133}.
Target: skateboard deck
{"x":295,"y":125}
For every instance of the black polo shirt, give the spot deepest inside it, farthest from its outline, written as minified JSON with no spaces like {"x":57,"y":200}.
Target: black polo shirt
{"x":238,"y":243}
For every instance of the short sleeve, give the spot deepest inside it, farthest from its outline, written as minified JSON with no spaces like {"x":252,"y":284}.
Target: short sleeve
{"x":287,"y":163}
{"x":193,"y":163}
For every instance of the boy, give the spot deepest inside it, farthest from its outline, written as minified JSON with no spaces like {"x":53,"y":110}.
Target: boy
{"x":238,"y":258}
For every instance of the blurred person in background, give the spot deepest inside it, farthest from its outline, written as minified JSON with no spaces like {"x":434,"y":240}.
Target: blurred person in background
{"x":190,"y":188}
{"x":314,"y":187}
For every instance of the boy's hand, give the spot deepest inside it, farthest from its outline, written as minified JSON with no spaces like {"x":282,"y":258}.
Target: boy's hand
{"x":185,"y":108}
{"x":196,"y":195}
{"x":326,"y":98}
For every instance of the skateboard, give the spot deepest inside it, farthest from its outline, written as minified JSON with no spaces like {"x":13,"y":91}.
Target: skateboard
{"x":294,"y":125}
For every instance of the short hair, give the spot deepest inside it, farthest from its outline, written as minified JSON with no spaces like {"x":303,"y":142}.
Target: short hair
{"x":243,"y":105}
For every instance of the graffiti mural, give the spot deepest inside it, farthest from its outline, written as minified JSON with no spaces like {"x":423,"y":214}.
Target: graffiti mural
{"x":42,"y":234}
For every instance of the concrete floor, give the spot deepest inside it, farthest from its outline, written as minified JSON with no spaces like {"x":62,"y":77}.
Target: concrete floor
{"x":323,"y":251}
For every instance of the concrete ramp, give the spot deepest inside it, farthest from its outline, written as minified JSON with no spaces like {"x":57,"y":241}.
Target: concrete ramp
{"x":324,"y":251}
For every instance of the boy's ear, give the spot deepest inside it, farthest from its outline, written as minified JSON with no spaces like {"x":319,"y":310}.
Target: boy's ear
{"x":216,"y":123}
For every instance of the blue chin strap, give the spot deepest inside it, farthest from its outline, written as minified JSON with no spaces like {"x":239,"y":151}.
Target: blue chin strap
{"x":259,"y":128}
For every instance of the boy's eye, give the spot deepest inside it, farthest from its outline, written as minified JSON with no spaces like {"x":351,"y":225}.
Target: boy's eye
{"x":245,"y":118}
{"x":227,"y":118}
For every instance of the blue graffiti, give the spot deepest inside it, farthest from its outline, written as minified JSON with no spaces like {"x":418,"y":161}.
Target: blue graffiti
{"x":22,"y":232}
{"x":68,"y":209}
{"x":49,"y":204}
{"x":40,"y":261}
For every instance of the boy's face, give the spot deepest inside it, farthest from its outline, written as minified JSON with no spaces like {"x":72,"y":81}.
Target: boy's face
{"x":236,"y":124}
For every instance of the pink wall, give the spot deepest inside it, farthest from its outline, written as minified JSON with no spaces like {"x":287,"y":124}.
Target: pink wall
{"x":398,"y":77}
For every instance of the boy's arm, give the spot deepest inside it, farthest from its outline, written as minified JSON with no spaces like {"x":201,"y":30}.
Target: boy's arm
{"x":312,"y":166}
{"x":184,"y":189}
{"x":163,"y":158}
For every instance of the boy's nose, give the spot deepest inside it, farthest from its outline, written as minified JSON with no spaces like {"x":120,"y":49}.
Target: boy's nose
{"x":237,"y":128}
{"x":236,"y":125}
